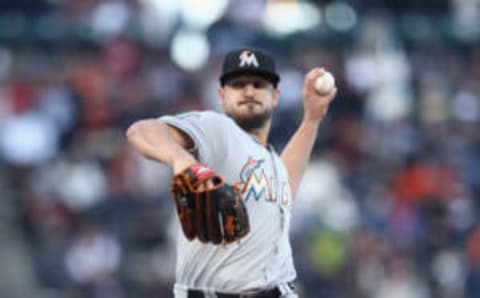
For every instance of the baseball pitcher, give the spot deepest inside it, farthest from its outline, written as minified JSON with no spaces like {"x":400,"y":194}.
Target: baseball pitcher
{"x":233,"y":193}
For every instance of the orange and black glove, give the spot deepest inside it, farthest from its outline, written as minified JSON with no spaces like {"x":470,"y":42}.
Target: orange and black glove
{"x":208,"y":208}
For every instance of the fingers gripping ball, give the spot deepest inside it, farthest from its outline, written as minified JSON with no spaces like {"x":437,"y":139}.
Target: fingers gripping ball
{"x":208,"y":208}
{"x":324,"y":83}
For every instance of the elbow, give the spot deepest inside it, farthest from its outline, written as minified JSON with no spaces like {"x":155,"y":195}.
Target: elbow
{"x":143,"y":129}
{"x":133,"y":130}
{"x":137,"y":128}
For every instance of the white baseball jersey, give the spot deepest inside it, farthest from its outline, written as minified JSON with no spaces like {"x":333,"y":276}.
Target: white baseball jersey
{"x":263,"y":258}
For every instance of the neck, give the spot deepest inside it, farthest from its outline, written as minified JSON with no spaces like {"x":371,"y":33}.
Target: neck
{"x":261,"y":134}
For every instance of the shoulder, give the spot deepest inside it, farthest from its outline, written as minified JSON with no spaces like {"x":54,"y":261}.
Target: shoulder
{"x":223,"y":122}
{"x":209,"y":118}
{"x":205,"y":124}
{"x":221,"y":118}
{"x":198,"y":115}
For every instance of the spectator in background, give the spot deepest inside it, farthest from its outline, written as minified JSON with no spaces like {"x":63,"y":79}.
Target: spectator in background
{"x":472,"y":284}
{"x":92,"y":260}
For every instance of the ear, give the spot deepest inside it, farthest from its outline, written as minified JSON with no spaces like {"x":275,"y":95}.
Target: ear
{"x":221,"y":94}
{"x":276,"y":96}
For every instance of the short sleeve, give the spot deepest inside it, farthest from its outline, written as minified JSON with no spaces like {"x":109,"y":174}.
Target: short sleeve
{"x":207,"y":130}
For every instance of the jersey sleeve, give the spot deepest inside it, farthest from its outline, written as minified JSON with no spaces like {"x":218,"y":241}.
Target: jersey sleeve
{"x":206,"y":129}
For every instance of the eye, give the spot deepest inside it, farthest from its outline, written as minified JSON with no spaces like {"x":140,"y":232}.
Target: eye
{"x":237,"y":84}
{"x":260,"y":84}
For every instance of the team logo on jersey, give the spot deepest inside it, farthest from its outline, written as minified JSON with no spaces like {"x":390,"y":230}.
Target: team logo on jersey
{"x":255,"y":184}
{"x":250,"y":167}
{"x":248,"y":58}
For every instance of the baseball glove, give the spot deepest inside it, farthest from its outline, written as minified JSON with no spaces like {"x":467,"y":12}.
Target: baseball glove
{"x":213,"y":214}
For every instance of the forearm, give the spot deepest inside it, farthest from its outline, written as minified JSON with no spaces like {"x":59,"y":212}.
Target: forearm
{"x":153,"y":140}
{"x":298,"y":150}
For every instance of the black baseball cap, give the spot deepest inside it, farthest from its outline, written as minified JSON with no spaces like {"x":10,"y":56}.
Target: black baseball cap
{"x":249,"y":61}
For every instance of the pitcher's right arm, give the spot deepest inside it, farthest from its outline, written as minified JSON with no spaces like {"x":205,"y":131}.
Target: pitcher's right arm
{"x":158,"y":141}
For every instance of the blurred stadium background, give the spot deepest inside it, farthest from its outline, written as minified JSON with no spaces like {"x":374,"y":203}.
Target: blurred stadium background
{"x":389,"y":207}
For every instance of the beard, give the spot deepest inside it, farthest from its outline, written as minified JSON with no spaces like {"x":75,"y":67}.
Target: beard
{"x":251,"y":121}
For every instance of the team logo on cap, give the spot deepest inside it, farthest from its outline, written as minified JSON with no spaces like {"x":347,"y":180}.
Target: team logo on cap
{"x":248,"y":58}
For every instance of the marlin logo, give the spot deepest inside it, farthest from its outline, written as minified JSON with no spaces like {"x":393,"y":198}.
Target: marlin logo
{"x":248,"y":58}
{"x":257,"y":187}
{"x":254,"y":184}
{"x":250,"y":167}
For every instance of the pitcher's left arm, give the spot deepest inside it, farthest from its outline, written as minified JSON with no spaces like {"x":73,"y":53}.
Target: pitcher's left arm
{"x":298,"y":150}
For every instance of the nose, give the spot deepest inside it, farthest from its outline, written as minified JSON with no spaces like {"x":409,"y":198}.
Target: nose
{"x":249,"y":90}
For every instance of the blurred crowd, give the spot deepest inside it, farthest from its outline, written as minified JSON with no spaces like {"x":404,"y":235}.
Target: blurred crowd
{"x":389,"y":206}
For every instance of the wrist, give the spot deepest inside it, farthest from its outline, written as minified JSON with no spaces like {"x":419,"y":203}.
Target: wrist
{"x":311,"y":120}
{"x":181,"y":161}
{"x":309,"y":126}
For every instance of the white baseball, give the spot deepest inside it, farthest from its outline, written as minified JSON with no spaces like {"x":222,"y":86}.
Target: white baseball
{"x":324,"y":83}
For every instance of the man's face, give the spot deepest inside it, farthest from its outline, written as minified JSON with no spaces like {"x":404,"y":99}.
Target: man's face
{"x":249,"y":100}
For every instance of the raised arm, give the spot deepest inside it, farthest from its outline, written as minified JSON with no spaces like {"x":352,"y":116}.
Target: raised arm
{"x":161,"y":142}
{"x":298,"y":150}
